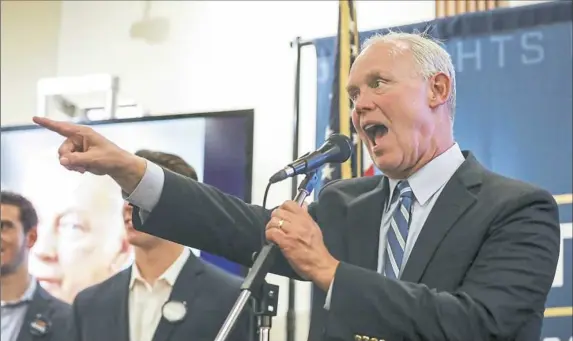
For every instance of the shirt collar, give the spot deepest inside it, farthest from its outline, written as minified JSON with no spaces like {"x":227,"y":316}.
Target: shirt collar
{"x":170,"y":275}
{"x":26,"y":297}
{"x":433,"y":176}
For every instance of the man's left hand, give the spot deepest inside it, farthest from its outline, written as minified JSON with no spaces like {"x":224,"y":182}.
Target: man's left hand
{"x":300,"y":240}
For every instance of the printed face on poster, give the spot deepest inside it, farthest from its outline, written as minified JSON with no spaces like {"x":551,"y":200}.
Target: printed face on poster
{"x":81,"y":233}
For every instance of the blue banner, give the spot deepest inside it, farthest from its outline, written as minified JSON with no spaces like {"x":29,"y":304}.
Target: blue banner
{"x":514,"y":109}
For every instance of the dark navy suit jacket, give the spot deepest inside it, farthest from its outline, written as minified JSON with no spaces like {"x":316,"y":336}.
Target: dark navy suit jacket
{"x":100,"y":312}
{"x":55,"y":313}
{"x":481,"y":268}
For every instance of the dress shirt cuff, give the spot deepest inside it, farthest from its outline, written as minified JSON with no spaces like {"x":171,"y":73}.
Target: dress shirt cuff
{"x":328,"y":296}
{"x":147,"y":193}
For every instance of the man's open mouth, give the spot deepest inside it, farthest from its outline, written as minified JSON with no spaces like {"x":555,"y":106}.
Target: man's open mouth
{"x":374,"y":131}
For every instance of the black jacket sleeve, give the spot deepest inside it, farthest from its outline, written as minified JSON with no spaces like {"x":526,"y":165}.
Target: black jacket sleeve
{"x":205,"y":218}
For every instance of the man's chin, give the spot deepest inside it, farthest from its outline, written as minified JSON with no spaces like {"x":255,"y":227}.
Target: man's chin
{"x":385,"y":164}
{"x":132,"y":233}
{"x":132,"y":239}
{"x":52,"y":286}
{"x":138,"y":240}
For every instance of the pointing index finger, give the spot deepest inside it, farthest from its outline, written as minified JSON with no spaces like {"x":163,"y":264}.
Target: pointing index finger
{"x":63,"y":128}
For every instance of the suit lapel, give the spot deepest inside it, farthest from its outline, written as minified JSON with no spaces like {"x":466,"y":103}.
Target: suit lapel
{"x":120,"y":316}
{"x":39,"y":306}
{"x":364,"y":219}
{"x":186,"y":288}
{"x":452,"y":203}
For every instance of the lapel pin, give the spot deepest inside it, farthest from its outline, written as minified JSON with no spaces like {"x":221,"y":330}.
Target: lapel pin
{"x":40,"y":326}
{"x":174,"y":311}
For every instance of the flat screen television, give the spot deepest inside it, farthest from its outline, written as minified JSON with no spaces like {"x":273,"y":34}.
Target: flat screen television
{"x":81,"y":222}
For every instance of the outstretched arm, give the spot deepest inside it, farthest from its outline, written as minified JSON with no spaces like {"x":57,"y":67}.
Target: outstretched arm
{"x":187,"y":212}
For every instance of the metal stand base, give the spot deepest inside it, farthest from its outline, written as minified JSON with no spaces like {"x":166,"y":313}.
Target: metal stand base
{"x":265,"y":309}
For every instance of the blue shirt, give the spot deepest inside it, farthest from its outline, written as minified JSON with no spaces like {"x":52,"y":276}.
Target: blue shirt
{"x":14,"y":313}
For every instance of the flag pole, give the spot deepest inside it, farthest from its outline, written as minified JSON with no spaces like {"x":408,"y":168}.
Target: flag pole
{"x":291,"y":310}
{"x":302,"y":43}
{"x":297,"y":44}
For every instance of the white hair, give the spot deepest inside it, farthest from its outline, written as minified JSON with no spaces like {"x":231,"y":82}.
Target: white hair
{"x":429,"y":55}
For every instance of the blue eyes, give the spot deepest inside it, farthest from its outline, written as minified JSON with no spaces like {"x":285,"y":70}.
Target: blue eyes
{"x":377,"y":83}
{"x":374,"y":84}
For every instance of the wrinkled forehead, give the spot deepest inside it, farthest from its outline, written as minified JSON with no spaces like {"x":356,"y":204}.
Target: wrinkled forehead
{"x":92,"y":197}
{"x":385,"y":58}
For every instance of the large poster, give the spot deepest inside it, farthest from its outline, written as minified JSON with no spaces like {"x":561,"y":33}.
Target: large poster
{"x":514,"y":110}
{"x":81,"y":234}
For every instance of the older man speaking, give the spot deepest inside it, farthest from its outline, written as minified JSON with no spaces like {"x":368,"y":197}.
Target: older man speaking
{"x":439,"y":248}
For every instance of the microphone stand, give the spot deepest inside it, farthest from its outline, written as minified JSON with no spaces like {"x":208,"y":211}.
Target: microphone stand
{"x":266,"y":304}
{"x":254,"y":283}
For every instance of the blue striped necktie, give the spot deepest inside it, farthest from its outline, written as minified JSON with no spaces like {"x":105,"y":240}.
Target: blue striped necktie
{"x":398,"y":232}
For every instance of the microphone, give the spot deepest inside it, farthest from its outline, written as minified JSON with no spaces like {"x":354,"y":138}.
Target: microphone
{"x":336,"y":149}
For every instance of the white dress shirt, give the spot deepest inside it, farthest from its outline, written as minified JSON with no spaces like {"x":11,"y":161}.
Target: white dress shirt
{"x":146,"y":299}
{"x":427,"y":184}
{"x":147,"y":193}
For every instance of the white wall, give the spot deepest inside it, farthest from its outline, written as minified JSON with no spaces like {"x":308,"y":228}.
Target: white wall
{"x":30,"y":35}
{"x":217,"y":56}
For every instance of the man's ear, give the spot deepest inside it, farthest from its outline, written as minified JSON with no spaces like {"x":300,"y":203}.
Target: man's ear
{"x":440,"y":89}
{"x":31,"y":237}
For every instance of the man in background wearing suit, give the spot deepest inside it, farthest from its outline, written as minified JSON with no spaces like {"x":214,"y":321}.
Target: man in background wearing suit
{"x":168,"y":294}
{"x":439,"y":248}
{"x":28,"y":311}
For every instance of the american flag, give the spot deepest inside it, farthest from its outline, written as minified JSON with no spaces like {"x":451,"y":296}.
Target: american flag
{"x":340,"y":120}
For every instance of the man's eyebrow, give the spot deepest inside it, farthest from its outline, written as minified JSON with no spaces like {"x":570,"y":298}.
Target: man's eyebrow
{"x":351,"y":88}
{"x":370,"y":76}
{"x":67,"y":212}
{"x":7,"y":223}
{"x":376,"y":74}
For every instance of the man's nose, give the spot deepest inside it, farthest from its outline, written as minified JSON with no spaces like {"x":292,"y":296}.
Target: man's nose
{"x":363,"y":104}
{"x":46,"y":248}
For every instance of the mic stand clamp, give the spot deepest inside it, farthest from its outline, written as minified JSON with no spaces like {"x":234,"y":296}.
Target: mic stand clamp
{"x":255,"y":279}
{"x":265,"y":308}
